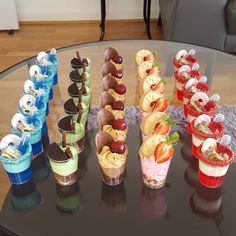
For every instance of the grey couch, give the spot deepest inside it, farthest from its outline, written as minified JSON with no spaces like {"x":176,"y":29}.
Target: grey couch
{"x":210,"y":23}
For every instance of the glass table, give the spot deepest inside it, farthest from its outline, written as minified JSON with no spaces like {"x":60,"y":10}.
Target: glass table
{"x":183,"y":206}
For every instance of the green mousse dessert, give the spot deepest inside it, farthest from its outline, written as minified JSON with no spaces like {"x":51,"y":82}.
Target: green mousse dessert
{"x":78,"y":63}
{"x":74,"y":131}
{"x":71,"y":108}
{"x":64,"y":162}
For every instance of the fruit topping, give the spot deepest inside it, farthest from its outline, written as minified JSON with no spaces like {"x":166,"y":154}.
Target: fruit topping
{"x":111,"y":54}
{"x":159,"y":105}
{"x":164,"y":150}
{"x":119,"y":124}
{"x":120,"y":89}
{"x":117,"y":105}
{"x":118,"y":147}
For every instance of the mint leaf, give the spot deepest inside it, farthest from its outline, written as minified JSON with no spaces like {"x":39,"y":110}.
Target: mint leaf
{"x":155,"y":63}
{"x":154,"y":53}
{"x":172,"y":139}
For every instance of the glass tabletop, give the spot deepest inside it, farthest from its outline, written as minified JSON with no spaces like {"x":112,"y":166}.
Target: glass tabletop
{"x":131,"y":202}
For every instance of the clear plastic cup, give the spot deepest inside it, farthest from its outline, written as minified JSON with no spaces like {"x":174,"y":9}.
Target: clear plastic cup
{"x":154,"y":174}
{"x":65,"y":171}
{"x":19,"y":169}
{"x":211,"y":173}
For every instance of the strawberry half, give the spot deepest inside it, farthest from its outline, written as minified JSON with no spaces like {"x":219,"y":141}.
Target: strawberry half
{"x":160,"y":105}
{"x":162,"y":128}
{"x":158,"y":87}
{"x":164,"y":150}
{"x":154,"y":71}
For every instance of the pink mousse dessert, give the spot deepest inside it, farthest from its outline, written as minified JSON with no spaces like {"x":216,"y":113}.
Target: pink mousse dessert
{"x":199,"y":104}
{"x":155,"y":154}
{"x":193,"y":86}
{"x":204,"y":127}
{"x":215,"y":158}
{"x":183,"y":75}
{"x":184,"y":58}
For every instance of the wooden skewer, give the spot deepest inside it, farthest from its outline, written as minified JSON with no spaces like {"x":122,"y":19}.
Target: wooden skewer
{"x":64,"y":139}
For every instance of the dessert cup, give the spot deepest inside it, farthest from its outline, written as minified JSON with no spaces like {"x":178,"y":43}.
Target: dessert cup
{"x":192,"y":114}
{"x":74,"y":93}
{"x":71,"y":109}
{"x":75,"y":135}
{"x":118,"y":135}
{"x":187,"y":94}
{"x":154,"y":174}
{"x":18,"y":169}
{"x":78,"y":64}
{"x":211,"y":173}
{"x":111,"y":154}
{"x":47,"y":81}
{"x":188,"y":60}
{"x":180,"y":82}
{"x":198,"y":137}
{"x":65,"y":169}
{"x":52,"y":57}
{"x":76,"y":77}
{"x":41,"y":115}
{"x":35,"y":137}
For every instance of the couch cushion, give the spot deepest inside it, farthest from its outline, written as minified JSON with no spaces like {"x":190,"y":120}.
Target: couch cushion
{"x":231,"y":16}
{"x":230,"y":43}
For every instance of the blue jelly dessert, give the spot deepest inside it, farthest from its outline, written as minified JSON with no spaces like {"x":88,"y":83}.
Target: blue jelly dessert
{"x":15,"y":153}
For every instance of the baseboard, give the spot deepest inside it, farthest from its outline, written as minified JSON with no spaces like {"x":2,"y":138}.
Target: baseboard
{"x":84,"y":21}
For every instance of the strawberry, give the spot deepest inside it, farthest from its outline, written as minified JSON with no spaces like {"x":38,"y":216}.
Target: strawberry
{"x":158,"y":87}
{"x":164,"y":150}
{"x":154,"y":71}
{"x":162,"y":128}
{"x":160,"y":105}
{"x":151,"y":57}
{"x":210,"y":105}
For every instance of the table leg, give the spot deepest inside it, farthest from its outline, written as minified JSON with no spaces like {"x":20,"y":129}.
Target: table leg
{"x":148,"y":20}
{"x":146,"y":16}
{"x":103,"y":17}
{"x":144,"y":11}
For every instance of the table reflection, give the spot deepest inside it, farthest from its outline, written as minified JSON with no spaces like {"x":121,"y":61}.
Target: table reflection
{"x":113,"y":198}
{"x":68,"y":198}
{"x":40,"y":167}
{"x":206,"y":202}
{"x":25,"y":197}
{"x":153,"y":202}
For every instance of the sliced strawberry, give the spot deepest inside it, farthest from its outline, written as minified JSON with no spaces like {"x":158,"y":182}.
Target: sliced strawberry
{"x":203,"y":87}
{"x":163,"y":152}
{"x":158,"y":87}
{"x":162,"y":128}
{"x":150,"y":58}
{"x":160,"y":105}
{"x":210,"y":105}
{"x":154,"y":71}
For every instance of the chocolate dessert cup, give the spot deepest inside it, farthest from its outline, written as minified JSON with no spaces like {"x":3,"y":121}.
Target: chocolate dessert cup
{"x":78,"y":63}
{"x":74,"y":131}
{"x":64,"y":162}
{"x":71,"y":108}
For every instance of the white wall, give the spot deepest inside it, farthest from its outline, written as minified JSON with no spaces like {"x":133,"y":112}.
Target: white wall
{"x":53,"y":10}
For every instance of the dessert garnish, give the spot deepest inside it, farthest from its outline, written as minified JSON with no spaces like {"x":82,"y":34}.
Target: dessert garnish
{"x":111,"y":54}
{"x":77,"y":63}
{"x":148,"y":68}
{"x":216,"y":152}
{"x":109,"y":82}
{"x":185,"y":57}
{"x":164,"y":150}
{"x":35,"y":72}
{"x":201,"y":102}
{"x":145,"y":55}
{"x":109,"y":68}
{"x":20,"y":123}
